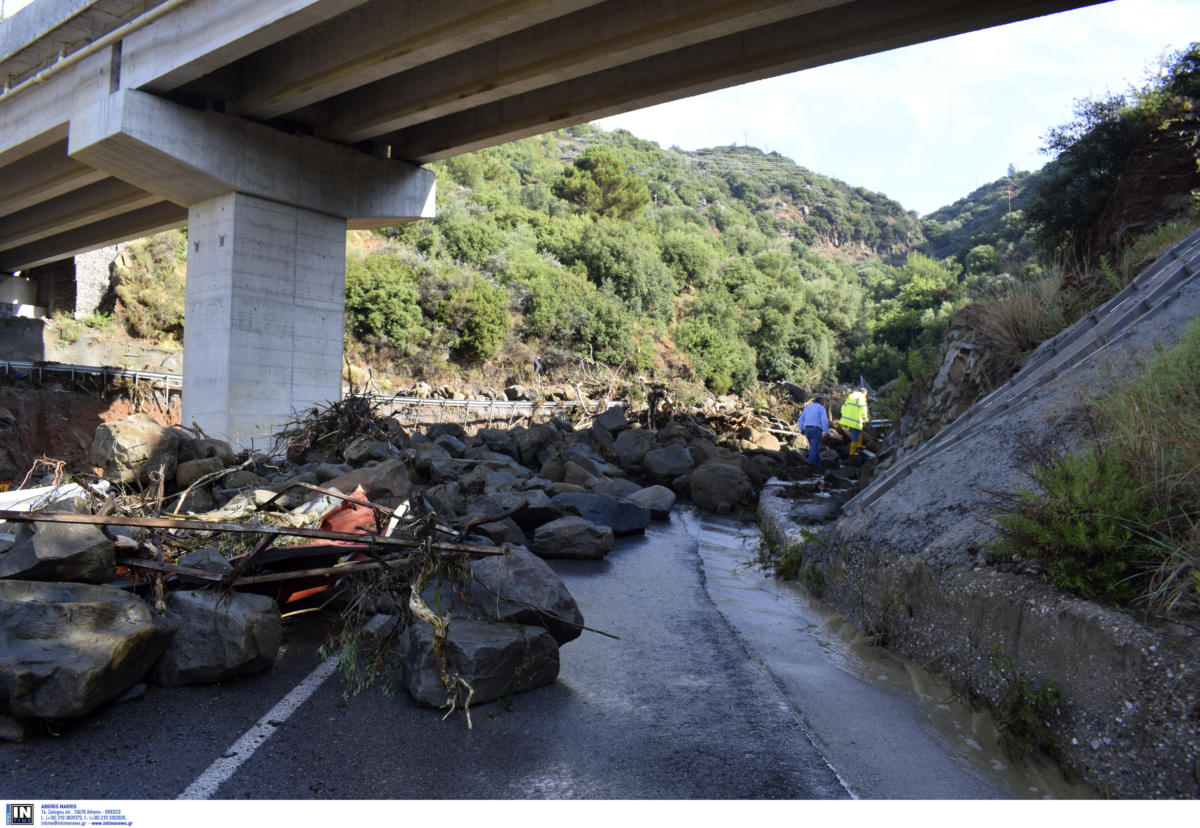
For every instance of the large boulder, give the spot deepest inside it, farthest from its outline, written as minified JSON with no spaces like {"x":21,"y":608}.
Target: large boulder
{"x":516,"y":587}
{"x":631,"y":446}
{"x":497,"y":660}
{"x":387,"y":484}
{"x":719,"y":487}
{"x":66,"y":649}
{"x":59,"y":552}
{"x":663,"y":465}
{"x":658,"y":499}
{"x":220,"y":637}
{"x":573,"y":538}
{"x":132,"y":449}
{"x":624,"y":517}
{"x":613,"y":419}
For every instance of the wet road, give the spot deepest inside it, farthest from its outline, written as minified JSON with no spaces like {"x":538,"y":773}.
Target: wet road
{"x":723,"y":685}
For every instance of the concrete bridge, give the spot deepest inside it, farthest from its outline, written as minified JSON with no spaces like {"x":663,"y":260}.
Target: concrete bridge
{"x":270,"y":127}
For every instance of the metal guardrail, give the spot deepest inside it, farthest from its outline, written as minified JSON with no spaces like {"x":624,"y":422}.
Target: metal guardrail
{"x":10,"y":366}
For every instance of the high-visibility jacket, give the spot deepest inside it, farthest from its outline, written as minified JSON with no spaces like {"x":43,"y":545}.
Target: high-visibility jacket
{"x":854,"y":411}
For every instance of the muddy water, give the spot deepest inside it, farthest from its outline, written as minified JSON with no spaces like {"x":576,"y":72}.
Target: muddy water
{"x":888,"y":727}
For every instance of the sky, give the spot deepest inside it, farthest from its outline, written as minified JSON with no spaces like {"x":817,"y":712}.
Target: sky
{"x":927,"y":124}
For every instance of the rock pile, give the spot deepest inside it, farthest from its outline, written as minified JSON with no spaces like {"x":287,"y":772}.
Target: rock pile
{"x":535,"y":492}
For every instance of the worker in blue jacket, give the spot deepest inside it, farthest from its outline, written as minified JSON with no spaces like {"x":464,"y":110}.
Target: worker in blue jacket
{"x":814,"y":423}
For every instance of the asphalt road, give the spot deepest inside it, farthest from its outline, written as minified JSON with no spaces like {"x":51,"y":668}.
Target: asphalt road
{"x":717,"y":688}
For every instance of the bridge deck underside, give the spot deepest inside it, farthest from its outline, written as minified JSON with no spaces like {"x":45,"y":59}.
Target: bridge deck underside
{"x":412,"y":81}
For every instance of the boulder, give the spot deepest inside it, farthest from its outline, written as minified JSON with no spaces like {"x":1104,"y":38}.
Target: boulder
{"x":719,"y":487}
{"x":188,"y":473}
{"x":517,"y":587}
{"x":387,"y":484}
{"x":451,"y":444}
{"x":59,"y":552}
{"x":572,"y":538}
{"x":623,"y":516}
{"x":578,"y":475}
{"x":613,"y":419}
{"x":132,"y":449}
{"x":364,"y":449}
{"x":533,"y":508}
{"x":206,"y":558}
{"x":631,"y":446}
{"x":501,"y":481}
{"x":219,"y":637}
{"x":66,"y":649}
{"x":616,"y":487}
{"x":663,"y":465}
{"x":205,"y":447}
{"x":500,"y":532}
{"x":497,"y":660}
{"x":658,"y":499}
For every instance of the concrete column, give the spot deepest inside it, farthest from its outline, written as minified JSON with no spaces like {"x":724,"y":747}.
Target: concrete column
{"x":264,"y":318}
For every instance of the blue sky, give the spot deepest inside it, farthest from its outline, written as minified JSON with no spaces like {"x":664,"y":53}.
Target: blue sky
{"x":927,"y":124}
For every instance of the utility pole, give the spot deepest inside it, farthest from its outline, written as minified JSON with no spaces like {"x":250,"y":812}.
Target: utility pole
{"x":1010,"y":191}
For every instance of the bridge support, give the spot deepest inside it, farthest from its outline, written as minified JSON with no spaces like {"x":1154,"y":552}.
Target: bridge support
{"x":264,"y":320}
{"x":267,"y":220}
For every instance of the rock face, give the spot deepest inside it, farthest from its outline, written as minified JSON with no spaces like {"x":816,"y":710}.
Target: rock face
{"x":129,"y":450}
{"x":66,"y":649}
{"x":497,"y":660}
{"x":59,"y":552}
{"x":219,"y":637}
{"x":573,"y":538}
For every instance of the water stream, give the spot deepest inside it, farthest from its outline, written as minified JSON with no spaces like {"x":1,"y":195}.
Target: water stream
{"x":890,"y":727}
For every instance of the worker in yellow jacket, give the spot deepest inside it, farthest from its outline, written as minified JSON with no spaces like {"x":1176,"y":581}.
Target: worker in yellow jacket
{"x":854,"y":417}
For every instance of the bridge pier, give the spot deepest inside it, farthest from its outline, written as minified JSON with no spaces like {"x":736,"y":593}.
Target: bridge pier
{"x":267,"y":220}
{"x":264,"y":314}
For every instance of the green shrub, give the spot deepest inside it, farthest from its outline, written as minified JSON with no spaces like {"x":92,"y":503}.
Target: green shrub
{"x":151,"y":290}
{"x":477,"y":312}
{"x":381,"y":300}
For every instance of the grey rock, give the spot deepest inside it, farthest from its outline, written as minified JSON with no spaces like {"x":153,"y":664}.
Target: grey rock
{"x":624,"y":517}
{"x":616,"y":487}
{"x":362,"y":449}
{"x":130,"y":450}
{"x":424,"y":455}
{"x":59,"y":552}
{"x":658,"y":499}
{"x":206,"y":558}
{"x":387,"y":483}
{"x":576,"y":474}
{"x":665,"y":464}
{"x":220,"y":636}
{"x":631,"y":446}
{"x":70,"y":648}
{"x":572,"y":538}
{"x":451,"y":445}
{"x":818,"y":510}
{"x":719,"y":487}
{"x":501,"y":532}
{"x":613,"y":419}
{"x":501,"y":481}
{"x":205,"y":447}
{"x":497,"y":660}
{"x":325,"y":472}
{"x":188,"y":473}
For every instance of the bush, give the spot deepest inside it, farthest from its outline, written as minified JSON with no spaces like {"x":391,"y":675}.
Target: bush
{"x":477,"y":311}
{"x":381,"y":300}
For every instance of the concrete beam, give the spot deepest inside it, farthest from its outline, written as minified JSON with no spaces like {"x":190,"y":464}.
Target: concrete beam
{"x":36,"y":117}
{"x":41,"y":176}
{"x":95,"y":202}
{"x":264,"y":325}
{"x":204,"y":35}
{"x":375,"y":41}
{"x":133,"y":225}
{"x":188,"y":157}
{"x":590,"y":41}
{"x":817,"y":39}
{"x":35,"y":21}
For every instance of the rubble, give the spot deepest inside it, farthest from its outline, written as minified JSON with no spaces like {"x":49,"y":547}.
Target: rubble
{"x":207,"y":547}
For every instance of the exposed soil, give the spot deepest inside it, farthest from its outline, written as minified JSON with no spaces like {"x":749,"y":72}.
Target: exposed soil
{"x":55,"y":421}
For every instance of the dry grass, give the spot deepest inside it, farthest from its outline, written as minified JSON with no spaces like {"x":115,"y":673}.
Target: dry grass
{"x":1012,"y":321}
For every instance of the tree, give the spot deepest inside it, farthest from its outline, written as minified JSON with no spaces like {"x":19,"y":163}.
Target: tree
{"x":600,"y":182}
